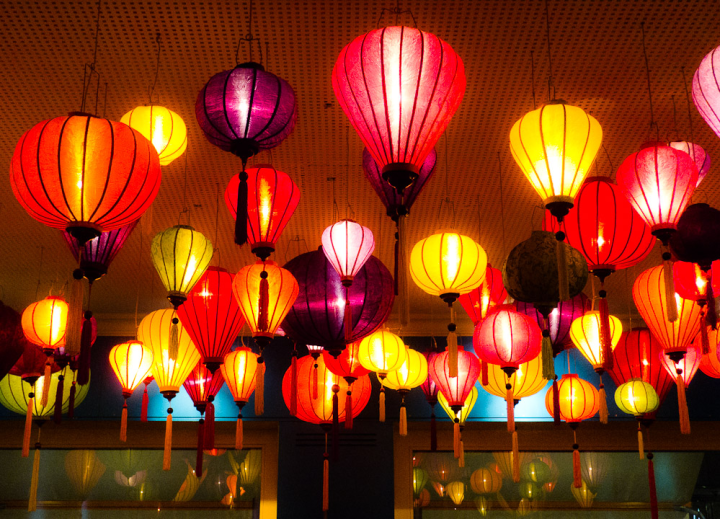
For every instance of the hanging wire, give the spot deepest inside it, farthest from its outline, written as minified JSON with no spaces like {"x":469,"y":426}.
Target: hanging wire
{"x":217,"y":219}
{"x":336,"y":209}
{"x":157,"y":71}
{"x":397,"y":12}
{"x":551,"y":82}
{"x":653,"y":124}
{"x":137,"y":292}
{"x":249,"y":39}
{"x":185,"y":208}
{"x":502,"y":204}
{"x":687,"y":98}
{"x":607,"y":156}
{"x":349,"y":212}
{"x":89,"y":68}
{"x":105,"y":101}
{"x":37,"y":288}
{"x":675,"y":126}
{"x":532,"y":77}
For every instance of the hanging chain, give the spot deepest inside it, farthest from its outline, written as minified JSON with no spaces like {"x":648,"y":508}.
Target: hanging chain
{"x":157,"y":71}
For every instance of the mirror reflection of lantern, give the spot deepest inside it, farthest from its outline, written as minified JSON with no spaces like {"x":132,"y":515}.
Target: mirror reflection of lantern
{"x":190,"y":485}
{"x":84,"y":469}
{"x":595,"y":467}
{"x":485,"y":481}
{"x":441,"y":468}
{"x":550,"y":484}
{"x":423,"y":499}
{"x":506,"y":461}
{"x":420,"y":479}
{"x":456,"y":491}
{"x":583,"y":495}
{"x":481,"y":503}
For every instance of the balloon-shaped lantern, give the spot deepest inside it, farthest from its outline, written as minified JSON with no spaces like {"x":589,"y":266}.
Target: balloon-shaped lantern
{"x":399,"y":87}
{"x":156,"y":331}
{"x":412,"y":373}
{"x":637,"y":398}
{"x":239,"y":370}
{"x":530,"y":275}
{"x":202,"y":386}
{"x":448,"y":265}
{"x":131,"y":361}
{"x":699,"y":156}
{"x":382,"y":352}
{"x":577,"y":400}
{"x":462,"y":415}
{"x":560,"y":319}
{"x":706,"y":90}
{"x":456,"y":491}
{"x":347,"y":246}
{"x":161,"y":126}
{"x":212,"y":317}
{"x":272,"y":199}
{"x":651,"y":296}
{"x":479,"y":301}
{"x":348,"y":366}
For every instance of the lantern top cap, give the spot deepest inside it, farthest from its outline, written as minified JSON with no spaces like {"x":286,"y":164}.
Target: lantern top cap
{"x":599,"y":178}
{"x":570,"y":375}
{"x":182,"y":226}
{"x":269,"y":263}
{"x":557,"y":102}
{"x":251,"y":65}
{"x":83,"y":114}
{"x":55,"y":297}
{"x":654,"y":144}
{"x":216,"y":269}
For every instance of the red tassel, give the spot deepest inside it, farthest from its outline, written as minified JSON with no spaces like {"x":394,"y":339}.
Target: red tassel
{"x":71,"y":405}
{"x":326,"y":482}
{"x":336,"y":421}
{"x":348,"y":410}
{"x":556,"y":402}
{"x":515,"y":458}
{"x":200,"y":446}
{"x":577,"y":473}
{"x":209,"y":429}
{"x":28,"y":426}
{"x":605,"y":334}
{"x":293,"y":384}
{"x":315,"y":382}
{"x":433,"y":430}
{"x":704,"y":340}
{"x":242,"y":203}
{"x":348,"y":316}
{"x":653,"y":489}
{"x":264,"y":302}
{"x":57,"y":414}
{"x":83,"y":376}
{"x":485,"y":376}
{"x":144,"y":407}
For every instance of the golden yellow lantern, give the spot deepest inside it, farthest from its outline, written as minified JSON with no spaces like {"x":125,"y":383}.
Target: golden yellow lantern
{"x":586,"y":336}
{"x":526,"y":381}
{"x":485,"y":481}
{"x":131,"y":361}
{"x":583,"y":495}
{"x":84,"y":469}
{"x":555,"y":146}
{"x":456,"y":491}
{"x":466,"y":408}
{"x":44,"y":323}
{"x":163,"y":127}
{"x":412,"y":373}
{"x":382,"y":352}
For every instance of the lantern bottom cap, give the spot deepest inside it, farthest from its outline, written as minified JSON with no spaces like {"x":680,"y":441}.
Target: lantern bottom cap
{"x":263,"y":249}
{"x":169,"y":392}
{"x":663,"y":231}
{"x":176,"y":298}
{"x":559,"y":206}
{"x":83,"y":232}
{"x":400,"y":175}
{"x":93,"y":270}
{"x":244,"y":148}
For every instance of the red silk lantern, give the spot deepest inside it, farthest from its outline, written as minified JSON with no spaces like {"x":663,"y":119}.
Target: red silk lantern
{"x":399,"y":87}
{"x":272,"y":200}
{"x":202,"y":386}
{"x":348,"y":366}
{"x":240,"y":369}
{"x":698,"y":154}
{"x":710,"y":362}
{"x":212,"y":317}
{"x":578,"y":400}
{"x":478,"y":302}
{"x":430,"y":390}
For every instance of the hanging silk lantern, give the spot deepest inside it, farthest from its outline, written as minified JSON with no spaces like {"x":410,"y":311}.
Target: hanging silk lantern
{"x":710,"y":362}
{"x":156,"y":331}
{"x":462,"y":416}
{"x":412,"y":373}
{"x":485,"y":481}
{"x":448,"y":265}
{"x":348,"y":366}
{"x":456,"y":491}
{"x":318,"y":313}
{"x":382,"y":352}
{"x":705,"y":90}
{"x":272,"y":199}
{"x":430,"y":390}
{"x":637,"y":398}
{"x":98,"y":253}
{"x":582,"y":495}
{"x":84,"y":469}
{"x":527,"y":380}
{"x":239,"y":369}
{"x":347,"y":246}
{"x":106,"y":176}
{"x":441,"y":468}
{"x":698,"y":154}
{"x":691,"y":282}
{"x":650,"y":296}
{"x":12,"y":339}
{"x":212,"y":317}
{"x":131,"y":361}
{"x":479,"y":301}
{"x":530,"y":275}
{"x":577,"y":400}
{"x":410,"y":83}
{"x":161,"y":126}
{"x":202,"y":386}
{"x":327,"y":410}
{"x":687,"y":366}
{"x":560,"y":319}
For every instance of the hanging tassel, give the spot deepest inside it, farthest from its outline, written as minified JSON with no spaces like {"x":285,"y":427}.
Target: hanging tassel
{"x":711,"y":318}
{"x":57,"y":412}
{"x":515,"y":458}
{"x":71,"y":402}
{"x":209,"y":429}
{"x":456,"y":438}
{"x":433,"y":430}
{"x":641,"y":443}
{"x":123,"y":422}
{"x":75,"y":313}
{"x":144,"y":407}
{"x":404,"y":286}
{"x":200,"y":446}
{"x":397,"y":257}
{"x":28,"y":426}
{"x":326,"y":482}
{"x":46,"y":382}
{"x":260,"y":387}
{"x":168,"y":440}
{"x":32,"y":502}
{"x":264,"y":302}
{"x":452,"y":347}
{"x":403,"y":419}
{"x":239,"y":432}
{"x":547,"y":356}
{"x":315,"y":382}
{"x":670,"y":302}
{"x":461,"y":459}
{"x":381,"y":416}
{"x":556,"y":401}
{"x":510,"y":408}
{"x":83,"y":376}
{"x":562,"y":266}
{"x":242,"y":203}
{"x":653,"y":489}
{"x":605,"y":333}
{"x":293,"y":384}
{"x":348,"y":316}
{"x":603,"y":404}
{"x":335,"y":421}
{"x":577,"y":473}
{"x":348,"y":410}
{"x":704,"y":340}
{"x":174,"y":347}
{"x":682,"y":404}
{"x":484,"y":380}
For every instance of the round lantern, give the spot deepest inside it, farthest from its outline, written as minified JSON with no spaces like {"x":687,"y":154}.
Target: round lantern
{"x":456,"y":491}
{"x":441,"y":468}
{"x":694,"y":241}
{"x":317,"y":315}
{"x":97,"y":254}
{"x":658,"y":181}
{"x":478,"y":302}
{"x":106,"y":176}
{"x":399,"y":87}
{"x":202,"y":386}
{"x":527,"y":380}
{"x":17,"y":397}
{"x":164,"y":128}
{"x":212,"y":317}
{"x":555,"y":146}
{"x":272,"y":199}
{"x":485,"y":481}
{"x":461,"y":416}
{"x":710,"y":362}
{"x":246,"y":110}
{"x":698,"y":154}
{"x":705,"y":90}
{"x":536,"y":471}
{"x":637,"y":398}
{"x":551,"y":483}
{"x":577,"y":400}
{"x":131,"y":362}
{"x":180,"y":255}
{"x":382,"y":352}
{"x":412,"y":373}
{"x":239,"y":369}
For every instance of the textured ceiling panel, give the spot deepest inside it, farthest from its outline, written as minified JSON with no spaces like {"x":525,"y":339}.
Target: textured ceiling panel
{"x":597,"y":62}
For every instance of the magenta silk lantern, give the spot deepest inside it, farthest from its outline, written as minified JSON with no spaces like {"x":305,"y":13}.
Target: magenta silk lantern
{"x":98,"y":253}
{"x":698,"y":154}
{"x":706,"y":90}
{"x":399,"y":87}
{"x":507,"y":338}
{"x":559,"y":320}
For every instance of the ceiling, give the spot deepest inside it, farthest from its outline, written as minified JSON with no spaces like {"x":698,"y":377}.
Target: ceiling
{"x":597,"y":62}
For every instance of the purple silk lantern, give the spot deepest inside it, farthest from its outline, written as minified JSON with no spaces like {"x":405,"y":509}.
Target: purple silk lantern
{"x":560,"y":319}
{"x":395,"y":204}
{"x":246,"y":110}
{"x":99,"y":252}
{"x":318,"y":313}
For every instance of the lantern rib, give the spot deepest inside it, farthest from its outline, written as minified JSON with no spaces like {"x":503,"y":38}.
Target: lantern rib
{"x":538,"y":181}
{"x":367,"y":90}
{"x":59,"y":168}
{"x":384,"y":90}
{"x":421,"y":63}
{"x":110,"y":167}
{"x":271,"y":118}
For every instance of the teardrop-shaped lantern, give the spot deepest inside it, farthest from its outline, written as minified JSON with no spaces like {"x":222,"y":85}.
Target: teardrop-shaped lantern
{"x":699,"y":156}
{"x":98,"y":253}
{"x":560,"y":319}
{"x":412,"y":373}
{"x":240,"y":369}
{"x":161,"y":126}
{"x":706,"y":90}
{"x":131,"y":361}
{"x":586,"y":334}
{"x":479,"y":301}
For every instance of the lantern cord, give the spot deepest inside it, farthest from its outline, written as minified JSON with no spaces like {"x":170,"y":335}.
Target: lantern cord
{"x":37,"y":288}
{"x":607,"y":156}
{"x":502,"y":199}
{"x":157,"y":70}
{"x":551,"y":84}
{"x":137,"y":292}
{"x":104,"y":101}
{"x":653,"y":124}
{"x":217,"y":218}
{"x":336,"y":208}
{"x":89,"y":68}
{"x":184,"y":203}
{"x":532,"y":77}
{"x":248,"y":38}
{"x":687,"y":98}
{"x":675,"y":126}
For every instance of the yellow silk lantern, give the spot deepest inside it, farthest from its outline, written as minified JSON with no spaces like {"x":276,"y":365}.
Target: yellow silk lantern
{"x":382,"y":352}
{"x":190,"y":486}
{"x":412,"y":373}
{"x":84,"y":469}
{"x":583,"y":495}
{"x":155,"y":332}
{"x":163,"y":127}
{"x":461,"y":416}
{"x":526,"y":381}
{"x":15,"y":395}
{"x":131,"y":362}
{"x":585,"y":335}
{"x":44,"y":323}
{"x":239,"y":369}
{"x":249,"y":470}
{"x":636,"y":397}
{"x":456,"y":491}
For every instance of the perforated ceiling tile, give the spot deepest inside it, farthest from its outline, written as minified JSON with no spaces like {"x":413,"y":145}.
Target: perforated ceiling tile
{"x":597,"y":64}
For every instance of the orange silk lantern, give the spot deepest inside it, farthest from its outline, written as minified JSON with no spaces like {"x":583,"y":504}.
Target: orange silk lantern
{"x":650,"y":295}
{"x":239,"y":369}
{"x":578,"y":400}
{"x":131,"y":362}
{"x":479,"y":301}
{"x":692,"y":282}
{"x":485,"y":481}
{"x":710,"y":362}
{"x":526,"y":381}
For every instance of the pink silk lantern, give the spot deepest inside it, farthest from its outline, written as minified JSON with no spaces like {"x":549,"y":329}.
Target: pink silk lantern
{"x":706,"y":89}
{"x":698,"y":154}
